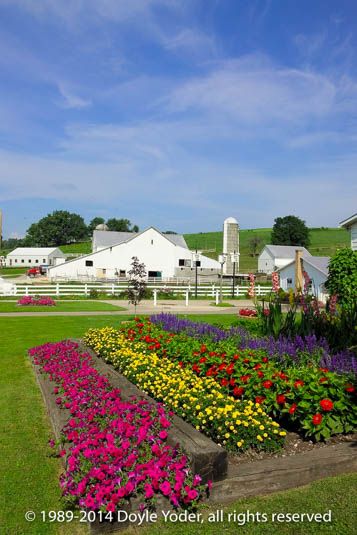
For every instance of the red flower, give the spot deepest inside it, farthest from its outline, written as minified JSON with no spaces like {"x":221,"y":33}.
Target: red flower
{"x":293,"y":408}
{"x":230,"y":369}
{"x":259,"y":399}
{"x":268,"y":384}
{"x":238,"y":391}
{"x":244,"y":378}
{"x":246,"y":361}
{"x":257,"y":366}
{"x":350,"y":388}
{"x":317,"y":419}
{"x":203,"y":348}
{"x":196,"y":368}
{"x":299,"y":383}
{"x":180,"y":364}
{"x":323,"y":380}
{"x":326,"y":405}
{"x":260,"y":374}
{"x":280,"y":398}
{"x":235,"y":357}
{"x":324,"y":370}
{"x":202,"y":359}
{"x":265,"y":359}
{"x":232,"y":382}
{"x":224,"y":382}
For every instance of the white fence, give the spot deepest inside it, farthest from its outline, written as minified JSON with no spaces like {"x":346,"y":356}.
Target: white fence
{"x":59,"y":289}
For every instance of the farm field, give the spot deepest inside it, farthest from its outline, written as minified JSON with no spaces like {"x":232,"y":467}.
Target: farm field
{"x":29,"y":467}
{"x":324,"y":242}
{"x":61,"y":306}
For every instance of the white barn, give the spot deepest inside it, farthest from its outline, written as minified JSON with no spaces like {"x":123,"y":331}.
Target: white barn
{"x":274,"y":257}
{"x":163,"y":259}
{"x":317,"y":269}
{"x":351,"y":224}
{"x":35,"y":256}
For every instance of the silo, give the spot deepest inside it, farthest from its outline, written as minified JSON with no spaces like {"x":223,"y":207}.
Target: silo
{"x":230,"y":245}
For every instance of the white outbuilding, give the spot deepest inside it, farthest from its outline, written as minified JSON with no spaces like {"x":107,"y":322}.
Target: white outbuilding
{"x":316,"y":268}
{"x":165,"y":256}
{"x":274,"y":257}
{"x":351,"y":224}
{"x":35,"y":256}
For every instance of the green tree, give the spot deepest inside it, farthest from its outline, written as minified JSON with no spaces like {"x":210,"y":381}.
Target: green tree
{"x":137,"y":282}
{"x":254,"y":244}
{"x":59,"y":228}
{"x":119,"y":225}
{"x":94,"y":223}
{"x":290,"y":230}
{"x":342,"y":277}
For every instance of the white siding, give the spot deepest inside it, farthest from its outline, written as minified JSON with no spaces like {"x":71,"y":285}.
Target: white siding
{"x":318,"y":279}
{"x":265,"y":262}
{"x":354,"y":237}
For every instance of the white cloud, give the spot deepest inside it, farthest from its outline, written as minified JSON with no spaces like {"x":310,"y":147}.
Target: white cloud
{"x":70,"y":100}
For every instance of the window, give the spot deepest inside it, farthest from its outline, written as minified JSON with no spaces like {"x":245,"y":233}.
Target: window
{"x":89,"y":263}
{"x":152,"y":242}
{"x":122,"y":273}
{"x":29,"y":260}
{"x":15,"y":260}
{"x":43,"y":260}
{"x":289,"y":281}
{"x":36,"y":260}
{"x":198,"y":263}
{"x":181,"y":261}
{"x":22,"y":261}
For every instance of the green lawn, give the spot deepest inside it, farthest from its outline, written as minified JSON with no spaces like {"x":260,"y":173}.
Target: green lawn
{"x":30,"y":475}
{"x":12,"y":272}
{"x":61,"y":306}
{"x":324,"y":242}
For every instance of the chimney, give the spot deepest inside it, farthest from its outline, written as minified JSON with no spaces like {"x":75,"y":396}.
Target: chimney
{"x":298,"y":272}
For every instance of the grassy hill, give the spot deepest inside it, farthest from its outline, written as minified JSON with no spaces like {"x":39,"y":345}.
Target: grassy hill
{"x":324,"y":242}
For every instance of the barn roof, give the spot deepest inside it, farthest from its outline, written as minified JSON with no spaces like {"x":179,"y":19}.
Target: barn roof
{"x":286,"y":251}
{"x":26,"y":251}
{"x":108,"y":238}
{"x":349,"y":221}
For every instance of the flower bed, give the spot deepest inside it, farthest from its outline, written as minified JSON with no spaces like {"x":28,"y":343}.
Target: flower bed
{"x":248,"y":312}
{"x":114,"y":450}
{"x":41,"y":301}
{"x":201,"y":401}
{"x":311,"y":400}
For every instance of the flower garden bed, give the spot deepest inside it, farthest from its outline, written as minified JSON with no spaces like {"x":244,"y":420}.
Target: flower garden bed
{"x":248,"y":388}
{"x":115,"y":450}
{"x":41,"y":301}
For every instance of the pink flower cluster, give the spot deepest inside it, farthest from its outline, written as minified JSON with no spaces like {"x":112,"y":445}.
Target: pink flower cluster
{"x":115,"y":449}
{"x":251,"y":290}
{"x":43,"y":301}
{"x":275,"y":281}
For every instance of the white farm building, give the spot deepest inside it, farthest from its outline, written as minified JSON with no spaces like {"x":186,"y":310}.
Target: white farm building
{"x":317,"y":269}
{"x":35,"y":256}
{"x":351,"y":224}
{"x":165,"y":256}
{"x":274,"y":257}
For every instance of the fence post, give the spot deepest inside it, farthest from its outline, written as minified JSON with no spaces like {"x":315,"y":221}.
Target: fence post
{"x":57,"y":289}
{"x":258,"y":288}
{"x":86,"y":289}
{"x":26,"y":290}
{"x":155,"y":297}
{"x":186,"y":298}
{"x":213,"y":290}
{"x":113,"y":291}
{"x":217,"y":297}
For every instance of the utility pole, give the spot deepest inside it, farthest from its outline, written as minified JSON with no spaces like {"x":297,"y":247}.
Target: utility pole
{"x":222,"y":261}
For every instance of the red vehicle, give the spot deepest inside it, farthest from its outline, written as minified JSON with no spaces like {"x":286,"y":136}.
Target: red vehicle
{"x":36,"y":271}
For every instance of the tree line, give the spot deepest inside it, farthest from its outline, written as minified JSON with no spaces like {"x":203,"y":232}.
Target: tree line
{"x":63,"y":227}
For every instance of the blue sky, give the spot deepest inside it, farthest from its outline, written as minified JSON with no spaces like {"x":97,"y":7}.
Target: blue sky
{"x":178,"y":113}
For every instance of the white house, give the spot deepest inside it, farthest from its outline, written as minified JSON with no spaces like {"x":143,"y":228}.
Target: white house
{"x":163,"y":258}
{"x":351,"y":224}
{"x":317,"y":269}
{"x":274,"y":257}
{"x":35,"y":256}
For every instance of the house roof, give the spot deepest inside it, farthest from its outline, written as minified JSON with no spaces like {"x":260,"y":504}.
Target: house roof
{"x":285,"y":251}
{"x":349,"y":221}
{"x":108,"y":238}
{"x":26,"y":251}
{"x":318,"y":262}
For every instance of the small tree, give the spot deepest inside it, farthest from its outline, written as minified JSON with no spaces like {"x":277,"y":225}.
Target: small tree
{"x":254,"y":244}
{"x":137,"y":282}
{"x":290,"y":230}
